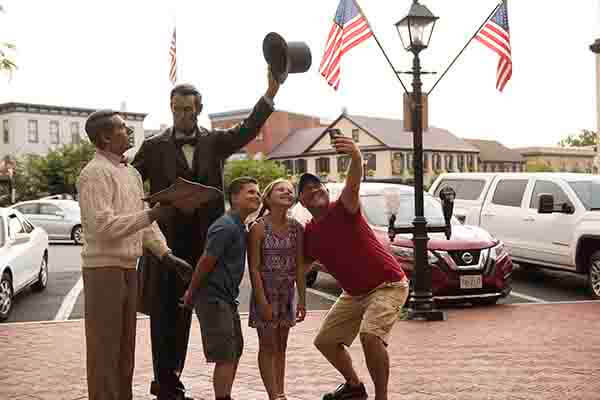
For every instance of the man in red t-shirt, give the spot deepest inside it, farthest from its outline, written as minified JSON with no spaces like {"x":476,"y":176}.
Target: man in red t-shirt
{"x":375,"y":287}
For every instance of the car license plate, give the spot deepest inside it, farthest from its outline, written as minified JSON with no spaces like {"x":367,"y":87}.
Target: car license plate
{"x":471,"y":282}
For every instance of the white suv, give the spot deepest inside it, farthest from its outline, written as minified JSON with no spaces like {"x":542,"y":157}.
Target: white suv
{"x":508,"y":206}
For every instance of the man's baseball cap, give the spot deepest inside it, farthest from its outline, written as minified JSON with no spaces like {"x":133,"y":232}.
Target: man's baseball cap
{"x":306,"y":178}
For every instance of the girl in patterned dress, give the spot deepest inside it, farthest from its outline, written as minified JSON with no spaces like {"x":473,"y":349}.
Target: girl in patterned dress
{"x":276,"y":268}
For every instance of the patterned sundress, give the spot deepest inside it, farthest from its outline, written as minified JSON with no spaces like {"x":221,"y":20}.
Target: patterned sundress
{"x":278,"y":271}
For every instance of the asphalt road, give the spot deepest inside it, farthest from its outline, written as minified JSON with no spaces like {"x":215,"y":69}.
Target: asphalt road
{"x":63,"y":298}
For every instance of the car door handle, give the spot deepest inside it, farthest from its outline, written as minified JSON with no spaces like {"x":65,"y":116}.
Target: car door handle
{"x":488,"y":215}
{"x":528,"y":219}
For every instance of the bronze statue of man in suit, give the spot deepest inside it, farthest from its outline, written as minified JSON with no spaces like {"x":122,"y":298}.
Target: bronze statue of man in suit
{"x":197,"y":154}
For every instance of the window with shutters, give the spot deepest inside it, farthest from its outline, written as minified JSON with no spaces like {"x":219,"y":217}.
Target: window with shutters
{"x":397,"y":163}
{"x":32,"y":131}
{"x":343,"y":162}
{"x":300,"y":166}
{"x":54,"y":133}
{"x":322,"y":165}
{"x":371,"y":161}
{"x":75,"y":137}
{"x":289,"y":166}
{"x":5,"y":132}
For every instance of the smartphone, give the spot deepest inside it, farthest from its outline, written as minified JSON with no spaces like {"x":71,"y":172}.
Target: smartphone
{"x":333,"y":132}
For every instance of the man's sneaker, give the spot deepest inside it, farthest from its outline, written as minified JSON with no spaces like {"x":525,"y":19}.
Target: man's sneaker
{"x":347,"y":392}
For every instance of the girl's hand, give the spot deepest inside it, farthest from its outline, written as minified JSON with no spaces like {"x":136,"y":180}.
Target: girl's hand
{"x":300,"y":312}
{"x":266,"y":311}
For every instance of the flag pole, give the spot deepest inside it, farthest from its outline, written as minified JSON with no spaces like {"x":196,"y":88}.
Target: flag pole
{"x":463,"y":49}
{"x":380,"y":47}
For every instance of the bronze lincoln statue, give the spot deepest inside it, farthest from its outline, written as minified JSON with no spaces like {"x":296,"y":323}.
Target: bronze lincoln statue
{"x":192,"y":152}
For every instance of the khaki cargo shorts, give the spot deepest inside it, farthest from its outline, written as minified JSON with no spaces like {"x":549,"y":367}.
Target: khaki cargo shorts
{"x":221,"y":330}
{"x":375,"y":313}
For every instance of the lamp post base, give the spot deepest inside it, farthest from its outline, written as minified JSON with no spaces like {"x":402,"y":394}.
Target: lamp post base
{"x":422,"y":308}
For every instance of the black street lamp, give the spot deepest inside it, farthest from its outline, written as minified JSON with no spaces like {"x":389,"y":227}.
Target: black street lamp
{"x":415,"y":32}
{"x":416,"y":28}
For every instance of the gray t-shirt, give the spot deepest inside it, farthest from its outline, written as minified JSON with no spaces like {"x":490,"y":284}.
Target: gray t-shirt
{"x":226,"y":241}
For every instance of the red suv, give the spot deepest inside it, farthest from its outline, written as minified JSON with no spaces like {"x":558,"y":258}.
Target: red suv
{"x":471,"y":266}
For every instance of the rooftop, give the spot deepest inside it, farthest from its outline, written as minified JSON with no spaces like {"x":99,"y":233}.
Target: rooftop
{"x":243,"y":113}
{"x":390,"y":132}
{"x":13,"y":107}
{"x":565,"y":151}
{"x":492,"y":150}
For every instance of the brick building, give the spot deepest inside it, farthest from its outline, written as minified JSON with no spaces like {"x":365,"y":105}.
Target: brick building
{"x":277,"y":128}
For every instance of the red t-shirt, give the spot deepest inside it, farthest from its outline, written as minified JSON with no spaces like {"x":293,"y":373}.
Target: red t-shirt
{"x":346,"y":245}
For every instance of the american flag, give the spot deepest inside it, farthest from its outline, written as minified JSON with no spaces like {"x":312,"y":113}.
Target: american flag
{"x":495,"y":35}
{"x":173,"y":55}
{"x":350,"y":28}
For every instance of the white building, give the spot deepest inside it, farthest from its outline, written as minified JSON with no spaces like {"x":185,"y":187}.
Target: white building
{"x":35,"y":129}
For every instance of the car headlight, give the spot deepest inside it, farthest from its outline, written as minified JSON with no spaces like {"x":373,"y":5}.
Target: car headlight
{"x":408,"y":253}
{"x":498,"y":252}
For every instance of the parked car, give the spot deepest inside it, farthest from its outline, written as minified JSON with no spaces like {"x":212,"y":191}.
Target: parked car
{"x":562,"y":234}
{"x":61,"y":219}
{"x":62,"y":196}
{"x":471,"y":266}
{"x":23,"y":258}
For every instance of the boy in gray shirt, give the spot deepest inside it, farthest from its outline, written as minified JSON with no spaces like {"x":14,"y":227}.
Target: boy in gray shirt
{"x":215,"y":285}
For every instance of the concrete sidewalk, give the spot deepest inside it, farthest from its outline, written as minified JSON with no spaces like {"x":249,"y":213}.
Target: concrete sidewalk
{"x":544,"y":351}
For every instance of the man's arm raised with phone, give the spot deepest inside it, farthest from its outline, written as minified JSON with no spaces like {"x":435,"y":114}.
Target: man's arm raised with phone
{"x":350,"y":194}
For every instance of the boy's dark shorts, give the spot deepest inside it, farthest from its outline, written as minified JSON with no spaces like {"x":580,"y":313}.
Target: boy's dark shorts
{"x":221,"y":330}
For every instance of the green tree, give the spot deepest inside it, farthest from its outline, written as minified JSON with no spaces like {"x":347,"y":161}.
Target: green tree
{"x":585,"y":138}
{"x":55,"y":173}
{"x":264,"y":171}
{"x":6,"y":62}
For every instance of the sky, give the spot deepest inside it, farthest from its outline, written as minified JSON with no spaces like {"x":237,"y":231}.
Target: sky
{"x":98,"y":54}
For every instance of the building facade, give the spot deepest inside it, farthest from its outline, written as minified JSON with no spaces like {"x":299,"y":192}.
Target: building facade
{"x":277,"y":128}
{"x":495,"y":157}
{"x":559,"y":159}
{"x":37,"y":129}
{"x":386,"y":147}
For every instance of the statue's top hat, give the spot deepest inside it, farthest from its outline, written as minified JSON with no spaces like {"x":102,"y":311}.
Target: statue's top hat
{"x":285,"y":58}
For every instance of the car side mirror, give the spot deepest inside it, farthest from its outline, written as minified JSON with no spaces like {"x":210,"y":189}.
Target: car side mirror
{"x":21,"y":238}
{"x":60,"y":214}
{"x":567,"y":208}
{"x":545,"y":203}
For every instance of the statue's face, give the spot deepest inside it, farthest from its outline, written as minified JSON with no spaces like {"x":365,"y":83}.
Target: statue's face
{"x":185,"y":112}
